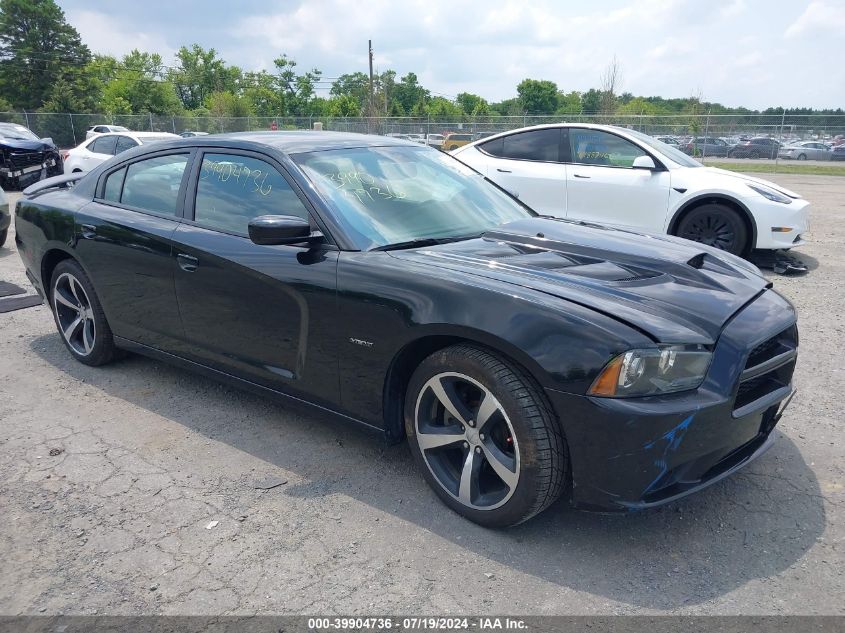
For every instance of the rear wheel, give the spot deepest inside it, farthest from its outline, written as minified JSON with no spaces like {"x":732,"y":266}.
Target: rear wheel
{"x":754,"y":154}
{"x":484,"y":436}
{"x":79,"y":315}
{"x":715,"y":225}
{"x":802,"y":157}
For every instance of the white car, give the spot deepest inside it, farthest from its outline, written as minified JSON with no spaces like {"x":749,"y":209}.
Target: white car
{"x":616,"y":176}
{"x":92,"y":152}
{"x":94,"y":130}
{"x":434,"y":140}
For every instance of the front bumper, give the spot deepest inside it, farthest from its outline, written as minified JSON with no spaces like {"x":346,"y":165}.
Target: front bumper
{"x":773,"y":217}
{"x":634,"y":453}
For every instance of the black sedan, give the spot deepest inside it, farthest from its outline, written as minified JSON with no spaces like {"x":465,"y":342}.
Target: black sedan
{"x":522,"y":357}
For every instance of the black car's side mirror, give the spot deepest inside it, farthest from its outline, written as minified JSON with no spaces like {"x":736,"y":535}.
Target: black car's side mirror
{"x":279,"y":229}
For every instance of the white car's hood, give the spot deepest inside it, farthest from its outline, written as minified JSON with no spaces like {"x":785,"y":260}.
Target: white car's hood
{"x":759,"y":181}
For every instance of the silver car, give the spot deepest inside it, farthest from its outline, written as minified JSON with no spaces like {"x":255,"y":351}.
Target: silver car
{"x":804,"y":150}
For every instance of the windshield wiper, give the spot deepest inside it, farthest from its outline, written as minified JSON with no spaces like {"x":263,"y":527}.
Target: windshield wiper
{"x":422,"y":241}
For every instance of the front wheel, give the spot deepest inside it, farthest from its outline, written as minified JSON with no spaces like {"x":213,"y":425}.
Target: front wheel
{"x":484,"y":436}
{"x":802,"y":157}
{"x":715,"y":225}
{"x":79,"y":315}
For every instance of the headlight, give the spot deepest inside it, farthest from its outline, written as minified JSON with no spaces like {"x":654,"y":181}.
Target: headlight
{"x":770,"y":194}
{"x":645,"y":372}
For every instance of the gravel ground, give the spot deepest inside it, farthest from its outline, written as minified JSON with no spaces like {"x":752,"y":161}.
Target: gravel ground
{"x":133,"y":489}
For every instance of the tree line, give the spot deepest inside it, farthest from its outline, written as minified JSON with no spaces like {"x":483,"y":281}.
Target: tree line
{"x":45,"y":66}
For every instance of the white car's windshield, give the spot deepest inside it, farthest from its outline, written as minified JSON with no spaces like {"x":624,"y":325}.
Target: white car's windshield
{"x":391,"y":195}
{"x":670,"y":152}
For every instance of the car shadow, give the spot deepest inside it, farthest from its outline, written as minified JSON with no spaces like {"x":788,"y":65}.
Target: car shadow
{"x":753,"y":525}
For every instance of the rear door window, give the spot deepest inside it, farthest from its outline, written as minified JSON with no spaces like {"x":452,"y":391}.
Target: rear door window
{"x":153,"y":184}
{"x":103,"y":145}
{"x":124,"y":143}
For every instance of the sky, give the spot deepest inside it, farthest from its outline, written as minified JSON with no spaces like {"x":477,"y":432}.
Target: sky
{"x":752,"y":53}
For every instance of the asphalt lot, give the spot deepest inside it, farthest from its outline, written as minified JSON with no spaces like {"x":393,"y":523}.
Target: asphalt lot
{"x":111,"y":479}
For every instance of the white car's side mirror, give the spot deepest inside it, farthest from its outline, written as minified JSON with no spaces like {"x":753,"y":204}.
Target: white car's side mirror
{"x":644,"y":162}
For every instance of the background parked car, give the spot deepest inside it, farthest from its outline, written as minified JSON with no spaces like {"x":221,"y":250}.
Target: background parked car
{"x":434,"y":140}
{"x":104,"y":129}
{"x":804,"y":150}
{"x":94,"y":151}
{"x":190,"y":133}
{"x":757,"y":147}
{"x":5,"y":218}
{"x":616,"y":176}
{"x":25,"y":158}
{"x":455,"y":140}
{"x":706,"y":146}
{"x":838,"y":153}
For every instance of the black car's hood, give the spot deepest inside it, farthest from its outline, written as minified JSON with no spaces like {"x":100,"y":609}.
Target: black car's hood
{"x":674,"y":290}
{"x":26,"y":145}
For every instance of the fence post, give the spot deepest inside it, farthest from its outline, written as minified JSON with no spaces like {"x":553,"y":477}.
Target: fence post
{"x":706,"y":128}
{"x":151,"y":122}
{"x":72,"y":129}
{"x":26,"y":117}
{"x":173,"y":122}
{"x":780,"y":136}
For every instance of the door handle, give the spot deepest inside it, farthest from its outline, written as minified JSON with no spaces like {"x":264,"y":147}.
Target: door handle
{"x":504,"y":171}
{"x":89,"y":231}
{"x":580,"y":176}
{"x":188,"y":263}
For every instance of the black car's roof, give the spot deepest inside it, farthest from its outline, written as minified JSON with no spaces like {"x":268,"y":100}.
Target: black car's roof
{"x":294,"y":142}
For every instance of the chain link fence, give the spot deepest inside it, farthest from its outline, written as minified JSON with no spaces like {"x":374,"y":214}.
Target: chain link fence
{"x":68,"y":130}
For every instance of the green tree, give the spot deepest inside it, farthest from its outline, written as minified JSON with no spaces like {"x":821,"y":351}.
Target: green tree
{"x":227,"y":104}
{"x":568,"y":103}
{"x":538,"y":96}
{"x":344,"y":105}
{"x":262,"y":91}
{"x":136,"y":82}
{"x":37,"y":49}
{"x":355,"y":85}
{"x":472,"y":104}
{"x":198,"y":73}
{"x":441,"y":106}
{"x":591,"y":101}
{"x":298,"y":90}
{"x":411,"y":95}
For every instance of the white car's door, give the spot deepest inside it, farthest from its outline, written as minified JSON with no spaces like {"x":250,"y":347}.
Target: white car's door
{"x":603,"y":187}
{"x":528,"y":165}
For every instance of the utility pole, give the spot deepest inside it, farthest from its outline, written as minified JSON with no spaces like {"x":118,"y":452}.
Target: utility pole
{"x":371,"y":105}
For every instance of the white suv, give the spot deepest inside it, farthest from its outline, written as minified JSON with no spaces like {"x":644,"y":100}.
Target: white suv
{"x":617,"y":176}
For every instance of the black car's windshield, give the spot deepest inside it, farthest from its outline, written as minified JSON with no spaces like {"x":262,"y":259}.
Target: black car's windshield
{"x":17,"y":132}
{"x":395,"y":195}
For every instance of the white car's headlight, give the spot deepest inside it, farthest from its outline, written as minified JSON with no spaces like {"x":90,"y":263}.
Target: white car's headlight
{"x":769,"y":193}
{"x":645,"y":372}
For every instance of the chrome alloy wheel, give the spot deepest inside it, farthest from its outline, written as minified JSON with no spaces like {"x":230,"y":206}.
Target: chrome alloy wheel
{"x":74,"y":314}
{"x":467,"y":441}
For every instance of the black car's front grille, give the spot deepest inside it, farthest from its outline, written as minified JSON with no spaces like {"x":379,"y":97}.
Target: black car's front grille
{"x":20,"y":160}
{"x":768,"y":369}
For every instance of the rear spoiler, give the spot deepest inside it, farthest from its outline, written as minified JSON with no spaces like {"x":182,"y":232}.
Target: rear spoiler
{"x":64,"y":181}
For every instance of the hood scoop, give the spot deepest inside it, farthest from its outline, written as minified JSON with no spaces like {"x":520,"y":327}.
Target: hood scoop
{"x":542,"y":261}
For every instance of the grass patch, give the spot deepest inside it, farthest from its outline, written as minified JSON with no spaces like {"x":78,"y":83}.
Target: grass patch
{"x":782,"y":168}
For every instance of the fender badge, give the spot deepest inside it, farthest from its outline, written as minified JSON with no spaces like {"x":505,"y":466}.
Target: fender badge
{"x":360,"y":342}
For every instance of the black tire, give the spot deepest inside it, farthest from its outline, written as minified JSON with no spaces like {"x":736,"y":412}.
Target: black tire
{"x":715,"y":225}
{"x":102,"y":350}
{"x":754,"y":154}
{"x":3,"y":235}
{"x":523,"y":425}
{"x":802,"y":157}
